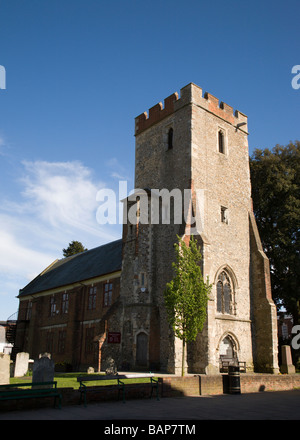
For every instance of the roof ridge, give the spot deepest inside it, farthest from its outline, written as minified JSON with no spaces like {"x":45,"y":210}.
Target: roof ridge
{"x":98,"y":261}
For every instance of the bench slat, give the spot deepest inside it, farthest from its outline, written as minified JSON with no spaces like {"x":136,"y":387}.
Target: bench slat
{"x":90,"y":378}
{"x":13,"y":391}
{"x":120,"y":385}
{"x":27,"y":384}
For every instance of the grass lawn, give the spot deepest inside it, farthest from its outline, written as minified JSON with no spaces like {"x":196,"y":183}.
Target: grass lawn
{"x":69,"y":380}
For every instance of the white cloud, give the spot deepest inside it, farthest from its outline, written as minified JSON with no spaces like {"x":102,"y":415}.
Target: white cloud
{"x":19,"y":264}
{"x":56,"y":204}
{"x":15,"y":258}
{"x":61,"y":193}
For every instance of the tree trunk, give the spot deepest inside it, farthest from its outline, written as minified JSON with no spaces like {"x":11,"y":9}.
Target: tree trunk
{"x":183,"y":357}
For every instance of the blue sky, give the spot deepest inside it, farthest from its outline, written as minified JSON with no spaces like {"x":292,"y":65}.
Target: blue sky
{"x":77,"y":74}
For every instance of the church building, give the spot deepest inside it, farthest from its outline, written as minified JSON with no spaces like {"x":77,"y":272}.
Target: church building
{"x":108,"y":302}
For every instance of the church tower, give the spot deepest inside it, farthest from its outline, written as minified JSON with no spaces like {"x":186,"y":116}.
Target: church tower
{"x":194,"y":145}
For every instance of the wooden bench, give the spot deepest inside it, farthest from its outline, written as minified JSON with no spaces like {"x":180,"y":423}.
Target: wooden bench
{"x":225,"y":362}
{"x":37,"y":390}
{"x":119,"y":378}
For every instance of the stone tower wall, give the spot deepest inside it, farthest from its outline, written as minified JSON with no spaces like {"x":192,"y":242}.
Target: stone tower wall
{"x":158,"y":167}
{"x":223,"y":181}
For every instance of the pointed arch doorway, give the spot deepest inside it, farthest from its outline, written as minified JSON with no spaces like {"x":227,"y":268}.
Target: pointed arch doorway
{"x":142,"y":349}
{"x":228,"y":352}
{"x":227,"y":348}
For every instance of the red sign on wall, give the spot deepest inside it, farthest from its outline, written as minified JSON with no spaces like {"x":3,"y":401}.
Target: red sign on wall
{"x":114,"y":338}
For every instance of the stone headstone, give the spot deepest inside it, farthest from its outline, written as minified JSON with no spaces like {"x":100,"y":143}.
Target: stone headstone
{"x":287,"y":366}
{"x":43,"y":370}
{"x":91,"y":370}
{"x":21,"y":365}
{"x":111,"y":367}
{"x":48,"y":355}
{"x":4,"y":368}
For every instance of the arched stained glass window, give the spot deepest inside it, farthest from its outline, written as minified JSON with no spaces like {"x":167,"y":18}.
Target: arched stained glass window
{"x":225,"y":294}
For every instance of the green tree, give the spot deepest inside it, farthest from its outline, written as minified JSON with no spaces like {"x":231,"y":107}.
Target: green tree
{"x":275,"y":177}
{"x":75,"y":247}
{"x":186,"y":295}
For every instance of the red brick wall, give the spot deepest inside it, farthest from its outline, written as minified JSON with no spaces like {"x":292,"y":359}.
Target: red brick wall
{"x":218,"y":384}
{"x":169,"y":387}
{"x":33,"y":335}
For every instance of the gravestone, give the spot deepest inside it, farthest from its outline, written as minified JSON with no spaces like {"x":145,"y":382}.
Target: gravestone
{"x":48,"y":355}
{"x":111,"y":367}
{"x":287,"y":366}
{"x":4,"y":368}
{"x":43,"y":370}
{"x":21,"y":365}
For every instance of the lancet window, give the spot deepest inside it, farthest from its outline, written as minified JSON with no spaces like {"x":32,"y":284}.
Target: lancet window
{"x":225,"y":294}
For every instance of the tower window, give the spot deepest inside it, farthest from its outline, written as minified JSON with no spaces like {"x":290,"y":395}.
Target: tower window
{"x":143,"y":281}
{"x":224,"y":215}
{"x":221,"y":142}
{"x":225,"y":294}
{"x":170,"y":139}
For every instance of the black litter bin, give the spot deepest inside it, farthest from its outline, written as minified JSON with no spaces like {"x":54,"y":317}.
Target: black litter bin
{"x":234,"y":380}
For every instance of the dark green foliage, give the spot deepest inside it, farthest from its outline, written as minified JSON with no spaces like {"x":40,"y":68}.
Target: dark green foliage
{"x":275,"y":177}
{"x":75,"y":247}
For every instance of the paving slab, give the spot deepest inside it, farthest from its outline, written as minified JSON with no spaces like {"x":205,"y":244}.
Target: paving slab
{"x":281,"y":405}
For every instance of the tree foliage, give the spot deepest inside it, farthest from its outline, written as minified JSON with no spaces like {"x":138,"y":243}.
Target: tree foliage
{"x":186,"y":295}
{"x":75,"y":247}
{"x":275,"y":177}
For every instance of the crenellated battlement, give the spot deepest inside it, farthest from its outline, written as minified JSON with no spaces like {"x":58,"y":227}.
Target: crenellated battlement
{"x":188,"y":95}
{"x":156,"y":113}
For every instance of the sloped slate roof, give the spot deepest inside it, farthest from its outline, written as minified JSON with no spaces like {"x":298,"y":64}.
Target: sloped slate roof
{"x":83,"y":266}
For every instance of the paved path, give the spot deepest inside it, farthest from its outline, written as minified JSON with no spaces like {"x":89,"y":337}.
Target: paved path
{"x":283,"y":405}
